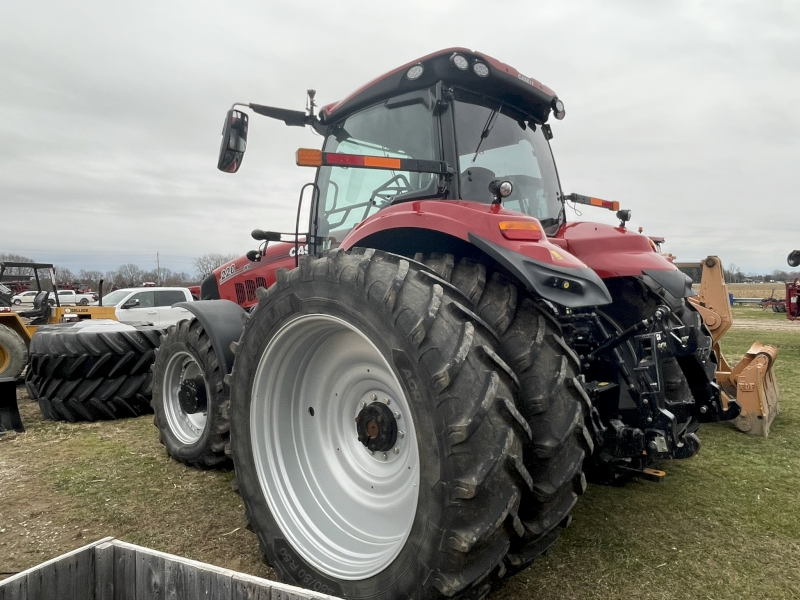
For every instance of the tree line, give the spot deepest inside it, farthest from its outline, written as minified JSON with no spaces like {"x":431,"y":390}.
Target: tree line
{"x":124,"y":276}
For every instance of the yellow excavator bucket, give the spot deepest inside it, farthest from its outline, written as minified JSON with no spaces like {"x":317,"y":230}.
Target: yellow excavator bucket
{"x":751,"y":382}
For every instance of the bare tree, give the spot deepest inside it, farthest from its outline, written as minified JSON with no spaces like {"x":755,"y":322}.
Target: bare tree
{"x":91,"y":277}
{"x":17,"y":270}
{"x":129,"y":275}
{"x":208,"y":262}
{"x":64,"y":276}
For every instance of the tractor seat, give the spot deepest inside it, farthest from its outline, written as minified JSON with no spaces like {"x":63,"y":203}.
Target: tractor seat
{"x":41,"y":310}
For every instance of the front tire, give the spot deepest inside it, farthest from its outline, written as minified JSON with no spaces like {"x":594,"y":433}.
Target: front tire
{"x":342,"y":503}
{"x":13,"y":353}
{"x":187,"y":364}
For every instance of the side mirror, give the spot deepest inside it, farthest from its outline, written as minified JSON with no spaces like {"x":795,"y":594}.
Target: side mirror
{"x":131,"y":303}
{"x":234,"y":141}
{"x":794,"y":258}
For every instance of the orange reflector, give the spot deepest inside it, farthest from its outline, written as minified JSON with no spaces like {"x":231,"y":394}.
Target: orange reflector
{"x":604,"y":203}
{"x":380,"y":162}
{"x":308,"y":157}
{"x":520,"y":230}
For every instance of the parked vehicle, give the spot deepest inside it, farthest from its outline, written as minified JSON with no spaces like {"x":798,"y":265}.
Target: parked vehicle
{"x":24,"y":297}
{"x":411,"y":408}
{"x":17,"y":328}
{"x":153,"y":305}
{"x":71,"y":297}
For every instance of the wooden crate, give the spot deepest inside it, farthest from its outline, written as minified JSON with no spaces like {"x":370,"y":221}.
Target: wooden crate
{"x":113,"y":570}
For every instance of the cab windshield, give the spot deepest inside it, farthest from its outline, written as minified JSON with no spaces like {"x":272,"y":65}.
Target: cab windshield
{"x":495,"y":142}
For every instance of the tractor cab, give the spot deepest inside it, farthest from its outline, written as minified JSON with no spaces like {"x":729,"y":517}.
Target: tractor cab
{"x":453,"y":125}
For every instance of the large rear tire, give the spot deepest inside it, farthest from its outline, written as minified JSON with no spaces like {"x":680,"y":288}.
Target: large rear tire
{"x":550,"y":397}
{"x":194,"y":431}
{"x":340,"y":357}
{"x":13,"y":353}
{"x":92,"y":371}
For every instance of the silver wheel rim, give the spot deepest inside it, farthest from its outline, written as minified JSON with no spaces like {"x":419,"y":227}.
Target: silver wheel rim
{"x":187,"y":427}
{"x":346,"y":510}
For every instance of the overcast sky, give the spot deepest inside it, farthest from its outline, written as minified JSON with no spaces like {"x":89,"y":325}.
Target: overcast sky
{"x":687,"y":112}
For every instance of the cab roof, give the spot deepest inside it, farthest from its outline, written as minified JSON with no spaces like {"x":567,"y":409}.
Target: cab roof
{"x":502,"y":82}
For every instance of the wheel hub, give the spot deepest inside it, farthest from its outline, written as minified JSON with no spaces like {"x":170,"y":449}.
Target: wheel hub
{"x":192,"y":395}
{"x":376,"y":427}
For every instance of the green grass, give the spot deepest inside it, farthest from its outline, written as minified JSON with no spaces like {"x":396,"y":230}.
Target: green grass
{"x":756,"y":312}
{"x":723,"y":525}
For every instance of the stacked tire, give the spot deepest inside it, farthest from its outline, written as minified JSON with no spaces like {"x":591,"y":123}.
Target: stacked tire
{"x":92,"y":371}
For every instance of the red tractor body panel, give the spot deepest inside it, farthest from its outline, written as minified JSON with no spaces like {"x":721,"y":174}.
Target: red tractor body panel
{"x":459,"y":219}
{"x":239,"y":279}
{"x":610,"y":251}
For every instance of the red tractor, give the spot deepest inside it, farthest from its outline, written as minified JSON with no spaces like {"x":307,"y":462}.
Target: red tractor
{"x":426,"y":373}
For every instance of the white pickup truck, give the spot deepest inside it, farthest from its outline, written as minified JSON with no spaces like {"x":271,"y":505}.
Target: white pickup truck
{"x":69,"y":297}
{"x":149,"y":305}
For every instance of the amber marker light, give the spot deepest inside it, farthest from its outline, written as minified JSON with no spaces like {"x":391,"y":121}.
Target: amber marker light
{"x":610,"y":205}
{"x":520,"y":230}
{"x":604,"y":203}
{"x":308,"y":157}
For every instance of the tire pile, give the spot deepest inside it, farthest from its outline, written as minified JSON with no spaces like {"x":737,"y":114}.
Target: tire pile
{"x":92,"y":371}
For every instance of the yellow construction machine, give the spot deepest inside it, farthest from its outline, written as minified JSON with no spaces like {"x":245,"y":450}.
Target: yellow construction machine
{"x":751,"y":382}
{"x":17,"y":328}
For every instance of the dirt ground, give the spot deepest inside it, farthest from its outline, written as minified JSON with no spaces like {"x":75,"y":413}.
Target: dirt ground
{"x":63,"y":485}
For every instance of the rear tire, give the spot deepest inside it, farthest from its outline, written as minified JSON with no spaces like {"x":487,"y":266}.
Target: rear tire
{"x":550,"y":398}
{"x":81,"y":375}
{"x":436,"y":512}
{"x":13,"y":353}
{"x":197,"y":438}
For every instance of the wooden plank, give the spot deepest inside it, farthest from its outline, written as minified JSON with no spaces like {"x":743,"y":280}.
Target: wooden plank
{"x":149,"y":575}
{"x":48,"y":573}
{"x":245,"y":587}
{"x":104,"y":571}
{"x":174,"y":580}
{"x":41,"y":579}
{"x":221,"y":585}
{"x":124,"y":572}
{"x":72,"y":574}
{"x":14,"y":590}
{"x":34,"y":581}
{"x":84,"y":575}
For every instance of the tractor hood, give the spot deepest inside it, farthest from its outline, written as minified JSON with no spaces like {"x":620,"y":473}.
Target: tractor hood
{"x":617,"y":252}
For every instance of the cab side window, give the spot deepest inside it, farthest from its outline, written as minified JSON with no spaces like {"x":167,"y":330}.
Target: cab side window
{"x":146,"y":299}
{"x":169,"y":297}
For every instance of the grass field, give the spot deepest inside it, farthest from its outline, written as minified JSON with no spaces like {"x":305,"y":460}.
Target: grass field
{"x":725,"y":524}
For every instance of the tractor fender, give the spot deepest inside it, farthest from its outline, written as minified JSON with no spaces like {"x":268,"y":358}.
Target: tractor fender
{"x":223,"y":321}
{"x":545,"y":269}
{"x":570,"y":287}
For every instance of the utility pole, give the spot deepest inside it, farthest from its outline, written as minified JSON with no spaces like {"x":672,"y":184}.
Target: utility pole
{"x":158,"y":267}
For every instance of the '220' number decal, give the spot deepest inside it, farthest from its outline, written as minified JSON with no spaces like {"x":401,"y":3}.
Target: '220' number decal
{"x":227,"y":272}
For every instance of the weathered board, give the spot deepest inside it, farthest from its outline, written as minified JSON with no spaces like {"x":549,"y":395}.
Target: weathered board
{"x":112,"y":570}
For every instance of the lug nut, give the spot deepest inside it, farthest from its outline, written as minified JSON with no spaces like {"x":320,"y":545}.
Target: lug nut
{"x":396,"y":450}
{"x":373,"y":397}
{"x":396,"y":415}
{"x":387,"y":401}
{"x":401,"y":434}
{"x":384,"y":456}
